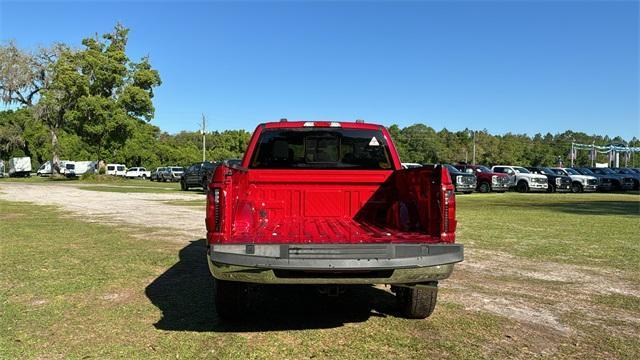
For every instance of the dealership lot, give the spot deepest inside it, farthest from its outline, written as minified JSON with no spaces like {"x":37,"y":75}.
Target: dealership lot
{"x":129,"y":258}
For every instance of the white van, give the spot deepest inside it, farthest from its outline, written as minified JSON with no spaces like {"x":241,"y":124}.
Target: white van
{"x":116,"y":169}
{"x":45,"y":169}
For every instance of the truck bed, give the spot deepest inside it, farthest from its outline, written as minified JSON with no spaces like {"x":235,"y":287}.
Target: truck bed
{"x":327,"y":230}
{"x":276,"y":207}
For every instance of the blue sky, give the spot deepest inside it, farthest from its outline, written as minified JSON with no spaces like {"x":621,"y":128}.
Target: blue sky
{"x":507,"y":66}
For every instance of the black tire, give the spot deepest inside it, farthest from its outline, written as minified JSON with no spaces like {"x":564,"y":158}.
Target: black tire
{"x":551,"y":188}
{"x":183,"y":186}
{"x":230,"y":299}
{"x":576,"y":187}
{"x":205,"y":185}
{"x":144,"y":176}
{"x":522,"y":186}
{"x":417,"y":302}
{"x":484,"y":187}
{"x":467,"y":192}
{"x":617,"y":185}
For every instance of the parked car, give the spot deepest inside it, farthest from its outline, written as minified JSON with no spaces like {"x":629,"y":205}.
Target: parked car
{"x":137,"y":173}
{"x":410,"y":165}
{"x":624,"y":182}
{"x":20,"y":167}
{"x":605,"y":182}
{"x":487,"y":180}
{"x":197,"y":175}
{"x":630,"y":173}
{"x":329,"y":204}
{"x":116,"y":169}
{"x":556,"y":182}
{"x":1,"y":168}
{"x":155,"y":174}
{"x":523,"y":179}
{"x":171,"y":173}
{"x":463,"y":182}
{"x":579,"y":183}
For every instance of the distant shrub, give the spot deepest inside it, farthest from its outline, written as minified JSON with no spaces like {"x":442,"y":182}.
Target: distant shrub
{"x":102,"y":170}
{"x":88,"y":177}
{"x":101,"y":178}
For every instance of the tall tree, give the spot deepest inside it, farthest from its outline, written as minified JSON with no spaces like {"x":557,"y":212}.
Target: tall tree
{"x":99,"y":93}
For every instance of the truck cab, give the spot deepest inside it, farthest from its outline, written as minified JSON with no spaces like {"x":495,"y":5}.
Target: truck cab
{"x":328,"y":203}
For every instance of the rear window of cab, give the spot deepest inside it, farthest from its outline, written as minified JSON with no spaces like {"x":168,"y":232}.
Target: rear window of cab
{"x":321,"y":148}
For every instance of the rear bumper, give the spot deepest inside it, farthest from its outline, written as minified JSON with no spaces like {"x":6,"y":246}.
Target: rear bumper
{"x":334,"y":264}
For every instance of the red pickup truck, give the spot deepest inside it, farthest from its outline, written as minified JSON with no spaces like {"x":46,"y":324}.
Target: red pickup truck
{"x":329,"y":203}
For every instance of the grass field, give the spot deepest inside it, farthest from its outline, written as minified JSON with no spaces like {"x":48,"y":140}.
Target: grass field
{"x":73,"y":289}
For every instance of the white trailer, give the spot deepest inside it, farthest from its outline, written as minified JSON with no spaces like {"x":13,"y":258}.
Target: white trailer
{"x":20,"y":167}
{"x":80,"y":168}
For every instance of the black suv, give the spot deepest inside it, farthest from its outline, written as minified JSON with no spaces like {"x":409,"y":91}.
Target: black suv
{"x":628,"y":172}
{"x":559,"y":183}
{"x":624,"y":182}
{"x":464,"y":182}
{"x":197,"y":175}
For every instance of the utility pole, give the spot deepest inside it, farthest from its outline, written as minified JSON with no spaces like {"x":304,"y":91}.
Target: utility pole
{"x":203,"y":131}
{"x":474,"y":147}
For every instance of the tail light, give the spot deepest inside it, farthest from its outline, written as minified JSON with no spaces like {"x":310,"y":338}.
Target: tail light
{"x":214,"y":210}
{"x":448,"y":201}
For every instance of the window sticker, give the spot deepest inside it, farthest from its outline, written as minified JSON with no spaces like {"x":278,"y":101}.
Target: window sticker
{"x":374,"y":142}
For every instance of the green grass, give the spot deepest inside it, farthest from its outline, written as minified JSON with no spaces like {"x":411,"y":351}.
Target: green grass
{"x":620,"y":301}
{"x":75,"y":289}
{"x":583,"y":229}
{"x":71,"y":289}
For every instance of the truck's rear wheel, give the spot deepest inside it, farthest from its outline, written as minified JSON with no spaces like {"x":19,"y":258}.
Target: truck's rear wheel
{"x":230,"y":298}
{"x":484,"y":187}
{"x":183,"y":185}
{"x":417,"y":302}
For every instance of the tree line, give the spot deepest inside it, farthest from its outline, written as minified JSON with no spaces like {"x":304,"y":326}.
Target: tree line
{"x":95,"y":103}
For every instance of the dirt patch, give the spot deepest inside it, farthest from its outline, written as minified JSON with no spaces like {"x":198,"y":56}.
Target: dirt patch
{"x":555,"y":296}
{"x":141,"y":209}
